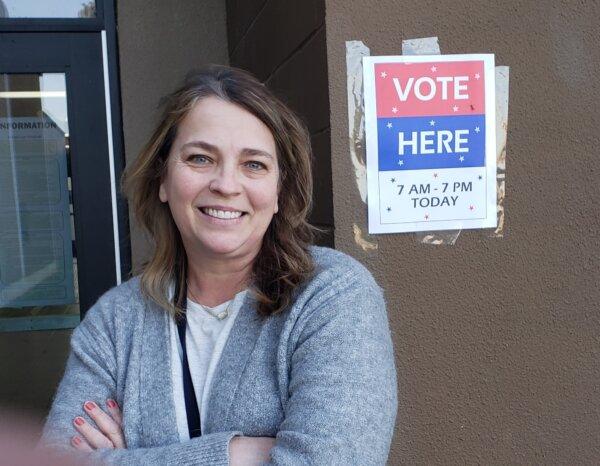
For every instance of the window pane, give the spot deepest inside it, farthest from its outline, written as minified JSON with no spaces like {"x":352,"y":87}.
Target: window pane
{"x":38,"y":267}
{"x":47,"y":9}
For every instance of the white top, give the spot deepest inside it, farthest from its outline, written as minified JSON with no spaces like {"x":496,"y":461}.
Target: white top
{"x":205,"y":338}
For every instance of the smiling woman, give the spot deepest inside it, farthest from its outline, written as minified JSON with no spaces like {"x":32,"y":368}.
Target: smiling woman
{"x":221,"y":182}
{"x":239,"y":343}
{"x":225,"y":143}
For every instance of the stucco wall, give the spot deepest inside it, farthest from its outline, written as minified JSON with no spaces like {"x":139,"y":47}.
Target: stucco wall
{"x":496,"y":340}
{"x":159,"y":42}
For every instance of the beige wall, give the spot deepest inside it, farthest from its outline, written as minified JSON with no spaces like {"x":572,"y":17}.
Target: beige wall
{"x":496,"y":341}
{"x":159,"y":42}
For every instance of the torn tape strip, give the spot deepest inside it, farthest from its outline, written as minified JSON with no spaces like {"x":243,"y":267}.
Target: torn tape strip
{"x":355,"y":51}
{"x":502,"y":74}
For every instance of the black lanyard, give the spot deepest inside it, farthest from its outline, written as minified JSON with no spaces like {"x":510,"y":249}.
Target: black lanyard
{"x":191,"y":405}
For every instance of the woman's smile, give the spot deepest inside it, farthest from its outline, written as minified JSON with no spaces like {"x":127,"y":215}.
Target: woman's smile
{"x":222,"y":216}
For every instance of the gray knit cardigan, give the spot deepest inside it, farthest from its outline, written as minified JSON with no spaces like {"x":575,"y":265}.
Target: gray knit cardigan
{"x":319,"y":377}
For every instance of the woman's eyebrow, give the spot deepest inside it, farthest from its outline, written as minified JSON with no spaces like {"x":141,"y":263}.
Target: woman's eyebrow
{"x":214,"y":149}
{"x":201,"y":145}
{"x":256,"y":152}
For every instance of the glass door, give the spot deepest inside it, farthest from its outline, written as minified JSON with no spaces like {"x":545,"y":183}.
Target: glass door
{"x":38,"y":267}
{"x":57,"y":223}
{"x":47,"y":8}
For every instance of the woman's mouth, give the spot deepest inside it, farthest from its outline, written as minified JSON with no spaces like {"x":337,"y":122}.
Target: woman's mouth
{"x":222,"y":214}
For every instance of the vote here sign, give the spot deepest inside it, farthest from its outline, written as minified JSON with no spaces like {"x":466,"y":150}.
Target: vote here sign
{"x":431,"y":148}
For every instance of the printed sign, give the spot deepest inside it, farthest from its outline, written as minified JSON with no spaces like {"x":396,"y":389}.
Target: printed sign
{"x":36,"y":247}
{"x":430,"y":135}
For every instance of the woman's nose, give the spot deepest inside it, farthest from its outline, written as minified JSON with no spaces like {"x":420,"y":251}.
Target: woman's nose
{"x":225,"y":182}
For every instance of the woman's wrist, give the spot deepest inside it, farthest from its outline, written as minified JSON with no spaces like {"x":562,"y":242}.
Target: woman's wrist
{"x":250,"y":451}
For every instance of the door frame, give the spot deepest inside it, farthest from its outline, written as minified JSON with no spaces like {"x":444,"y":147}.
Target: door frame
{"x":103,"y":27}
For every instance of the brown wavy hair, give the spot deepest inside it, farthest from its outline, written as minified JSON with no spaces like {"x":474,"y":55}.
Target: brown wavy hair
{"x":284,"y":261}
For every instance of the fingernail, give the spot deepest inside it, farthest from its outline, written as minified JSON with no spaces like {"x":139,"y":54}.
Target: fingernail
{"x":76,"y":440}
{"x":79,"y":421}
{"x":111,"y":403}
{"x":89,"y":405}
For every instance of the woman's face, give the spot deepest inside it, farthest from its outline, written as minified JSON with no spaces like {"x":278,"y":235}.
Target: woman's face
{"x":222,"y":180}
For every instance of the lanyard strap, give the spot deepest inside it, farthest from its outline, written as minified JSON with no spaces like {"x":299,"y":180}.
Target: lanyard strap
{"x":191,"y":405}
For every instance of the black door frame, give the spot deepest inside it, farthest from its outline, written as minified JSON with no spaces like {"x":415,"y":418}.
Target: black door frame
{"x":74,"y":36}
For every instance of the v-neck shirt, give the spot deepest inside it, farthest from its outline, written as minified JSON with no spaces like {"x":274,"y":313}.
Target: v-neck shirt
{"x":205,"y":339}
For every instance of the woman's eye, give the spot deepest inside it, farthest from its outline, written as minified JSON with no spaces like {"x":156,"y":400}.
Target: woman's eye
{"x":199,"y":158}
{"x":254,"y":165}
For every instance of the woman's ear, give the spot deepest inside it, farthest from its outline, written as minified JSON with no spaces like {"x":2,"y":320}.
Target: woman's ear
{"x":162,"y":193}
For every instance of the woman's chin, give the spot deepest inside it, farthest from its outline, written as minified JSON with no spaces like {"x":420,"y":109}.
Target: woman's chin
{"x":227,"y":244}
{"x":221,"y":248}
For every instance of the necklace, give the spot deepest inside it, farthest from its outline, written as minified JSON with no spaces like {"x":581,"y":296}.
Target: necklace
{"x":221,"y":315}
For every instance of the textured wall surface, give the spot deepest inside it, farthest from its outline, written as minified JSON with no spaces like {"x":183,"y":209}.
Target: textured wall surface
{"x":31,"y":367}
{"x":496,"y":340}
{"x":159,"y":42}
{"x":283,"y":44}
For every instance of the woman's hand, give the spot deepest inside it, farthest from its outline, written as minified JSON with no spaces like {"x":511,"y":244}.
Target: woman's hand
{"x":249,"y":451}
{"x":109,"y":431}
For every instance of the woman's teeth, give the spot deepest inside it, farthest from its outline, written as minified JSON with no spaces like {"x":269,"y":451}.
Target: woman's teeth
{"x":221,"y":213}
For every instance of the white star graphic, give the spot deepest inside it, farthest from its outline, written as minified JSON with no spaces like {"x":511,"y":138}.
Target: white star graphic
{"x":455,"y":108}
{"x":389,"y":125}
{"x":383,"y":74}
{"x":477,"y":76}
{"x":432,"y":123}
{"x":394,"y":110}
{"x":433,"y":69}
{"x":461,"y":158}
{"x":401,"y":162}
{"x":477,"y":129}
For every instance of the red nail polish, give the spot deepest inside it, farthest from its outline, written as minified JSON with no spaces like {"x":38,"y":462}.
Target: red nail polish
{"x":79,"y":421}
{"x":89,"y":406}
{"x":76,"y":440}
{"x":111,"y":403}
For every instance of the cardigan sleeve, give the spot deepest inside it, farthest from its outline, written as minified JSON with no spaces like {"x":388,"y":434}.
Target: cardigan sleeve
{"x":342,"y":388}
{"x":90,"y":374}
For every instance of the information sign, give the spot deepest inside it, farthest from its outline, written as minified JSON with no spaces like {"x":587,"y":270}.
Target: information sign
{"x":36,"y":247}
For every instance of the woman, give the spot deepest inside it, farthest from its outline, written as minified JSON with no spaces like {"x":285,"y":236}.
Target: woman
{"x":240,"y":342}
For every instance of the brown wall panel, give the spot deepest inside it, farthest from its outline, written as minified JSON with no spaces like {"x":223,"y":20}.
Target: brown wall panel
{"x":496,"y":339}
{"x":322,"y":213}
{"x":302,"y":82}
{"x":240,"y":15}
{"x":278,"y":31}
